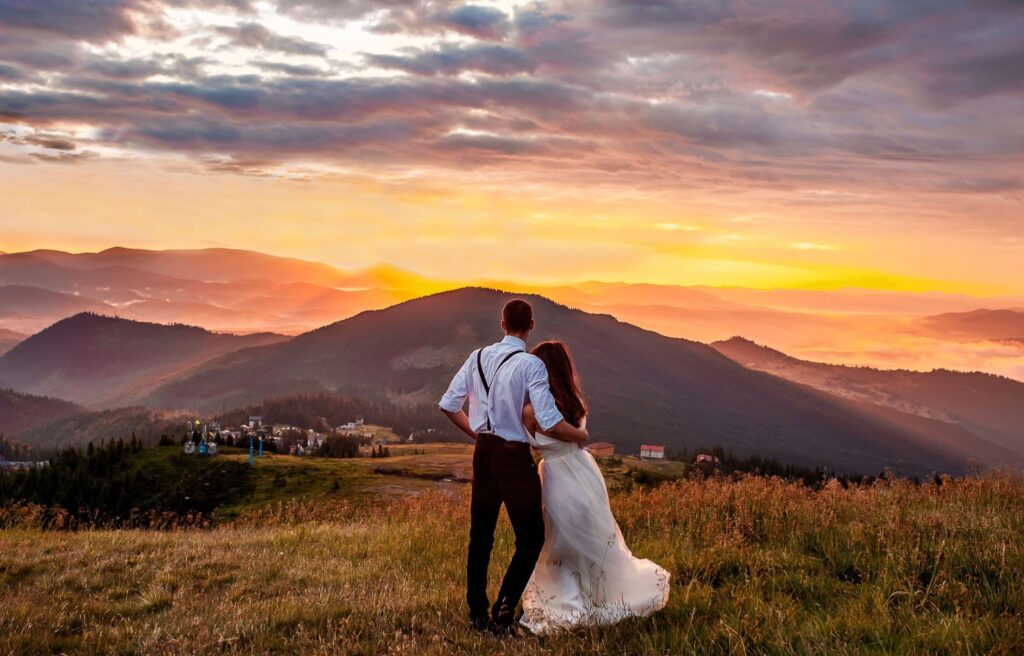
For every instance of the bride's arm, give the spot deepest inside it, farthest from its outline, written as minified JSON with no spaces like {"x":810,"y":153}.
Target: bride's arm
{"x":530,"y":419}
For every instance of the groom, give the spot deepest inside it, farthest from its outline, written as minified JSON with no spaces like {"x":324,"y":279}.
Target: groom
{"x":498,"y":380}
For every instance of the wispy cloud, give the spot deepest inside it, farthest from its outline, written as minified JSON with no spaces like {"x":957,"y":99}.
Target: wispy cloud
{"x":811,"y":246}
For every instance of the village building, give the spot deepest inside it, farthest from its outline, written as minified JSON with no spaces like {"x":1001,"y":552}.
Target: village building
{"x":352,"y":425}
{"x":652,"y":452}
{"x":706,"y":458}
{"x":601,"y":449}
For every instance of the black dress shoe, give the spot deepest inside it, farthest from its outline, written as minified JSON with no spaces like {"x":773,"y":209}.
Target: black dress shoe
{"x":480,"y":622}
{"x":505,"y":625}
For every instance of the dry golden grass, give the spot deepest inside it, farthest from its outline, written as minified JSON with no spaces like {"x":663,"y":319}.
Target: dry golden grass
{"x":758,"y":566}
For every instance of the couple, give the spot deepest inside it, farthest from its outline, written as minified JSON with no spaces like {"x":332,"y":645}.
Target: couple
{"x":571,"y":566}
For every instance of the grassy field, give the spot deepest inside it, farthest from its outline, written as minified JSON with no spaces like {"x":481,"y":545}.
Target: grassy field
{"x":374,"y":564}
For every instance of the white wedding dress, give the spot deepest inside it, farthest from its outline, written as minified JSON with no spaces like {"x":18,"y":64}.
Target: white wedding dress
{"x":586,"y":574}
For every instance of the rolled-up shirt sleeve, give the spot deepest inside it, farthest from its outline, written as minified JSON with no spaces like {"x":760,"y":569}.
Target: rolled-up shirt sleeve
{"x":458,"y":390}
{"x":539,"y":390}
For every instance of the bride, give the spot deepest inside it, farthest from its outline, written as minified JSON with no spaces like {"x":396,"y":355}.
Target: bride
{"x":585,"y":574}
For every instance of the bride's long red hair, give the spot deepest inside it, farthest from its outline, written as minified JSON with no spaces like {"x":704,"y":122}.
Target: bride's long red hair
{"x":565,"y":382}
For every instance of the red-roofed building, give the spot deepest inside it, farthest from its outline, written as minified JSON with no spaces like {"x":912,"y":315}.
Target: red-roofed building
{"x":601,"y":448}
{"x":652,"y":452}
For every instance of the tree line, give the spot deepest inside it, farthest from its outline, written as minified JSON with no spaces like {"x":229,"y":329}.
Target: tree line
{"x":112,"y":484}
{"x":15,"y":451}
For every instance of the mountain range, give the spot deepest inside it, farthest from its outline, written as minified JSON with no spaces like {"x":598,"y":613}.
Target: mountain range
{"x":1006,"y":324}
{"x":644,"y":387}
{"x":219,"y":289}
{"x":110,"y":337}
{"x":21,"y":413}
{"x":228,"y":290}
{"x":991,"y":407}
{"x":105,"y":361}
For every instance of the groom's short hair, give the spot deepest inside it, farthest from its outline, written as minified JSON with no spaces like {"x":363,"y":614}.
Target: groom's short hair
{"x":517,"y":315}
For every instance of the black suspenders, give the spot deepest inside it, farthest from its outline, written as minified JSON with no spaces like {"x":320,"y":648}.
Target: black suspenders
{"x":483,"y":379}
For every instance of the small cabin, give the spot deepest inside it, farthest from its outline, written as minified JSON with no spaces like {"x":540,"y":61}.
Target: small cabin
{"x":707,"y":458}
{"x":652,"y":452}
{"x":601,"y":448}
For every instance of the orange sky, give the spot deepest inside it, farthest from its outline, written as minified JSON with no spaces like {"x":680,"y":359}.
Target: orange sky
{"x":464,"y":232}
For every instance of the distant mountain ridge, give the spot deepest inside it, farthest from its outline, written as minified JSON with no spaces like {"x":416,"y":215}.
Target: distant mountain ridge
{"x":1006,"y":324}
{"x":9,"y":339}
{"x":104,"y":361}
{"x":644,"y":387}
{"x":987,"y":405}
{"x":221,"y":289}
{"x":20,"y":413}
{"x":241,"y":291}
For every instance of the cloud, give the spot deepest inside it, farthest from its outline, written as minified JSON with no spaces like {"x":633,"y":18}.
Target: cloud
{"x":257,"y":36}
{"x":293,"y":70}
{"x":475,"y":20}
{"x":50,"y":141}
{"x":340,"y":10}
{"x":779,"y":96}
{"x":13,"y":73}
{"x":451,"y":59}
{"x":676,"y":227}
{"x":97,"y":20}
{"x":811,"y":246}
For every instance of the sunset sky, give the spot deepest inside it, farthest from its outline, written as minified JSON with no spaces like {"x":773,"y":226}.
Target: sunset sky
{"x":860,"y":143}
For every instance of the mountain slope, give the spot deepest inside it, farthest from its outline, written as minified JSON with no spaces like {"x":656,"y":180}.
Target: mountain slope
{"x":644,"y":387}
{"x":219,"y":289}
{"x":25,"y":299}
{"x":9,"y":339}
{"x":989,"y":406}
{"x":228,"y":264}
{"x":23,"y":412}
{"x":79,"y":429}
{"x":977,"y":324}
{"x":105,"y":361}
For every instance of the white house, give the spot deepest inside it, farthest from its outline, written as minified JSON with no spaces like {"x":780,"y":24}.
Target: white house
{"x":652,"y":452}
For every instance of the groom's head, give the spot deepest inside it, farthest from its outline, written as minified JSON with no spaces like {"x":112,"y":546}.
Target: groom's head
{"x":517,"y":318}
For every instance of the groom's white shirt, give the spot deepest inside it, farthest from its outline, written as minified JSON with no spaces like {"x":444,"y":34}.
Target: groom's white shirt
{"x":522,"y":378}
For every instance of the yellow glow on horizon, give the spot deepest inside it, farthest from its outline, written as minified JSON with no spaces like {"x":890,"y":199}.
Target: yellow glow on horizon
{"x":466,"y":233}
